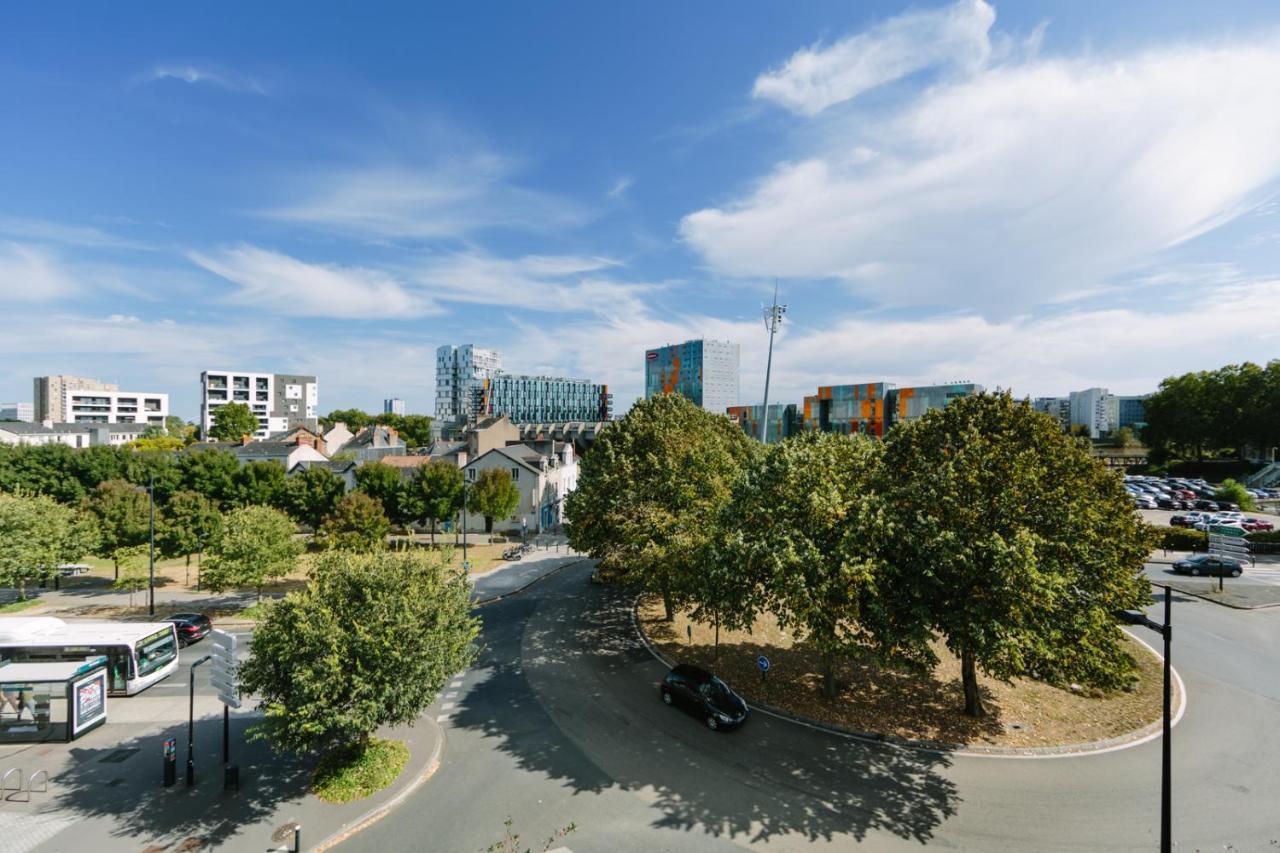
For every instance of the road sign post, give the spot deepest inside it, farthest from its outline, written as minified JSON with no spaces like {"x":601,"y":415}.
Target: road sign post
{"x":762,"y":663}
{"x":223,"y":677}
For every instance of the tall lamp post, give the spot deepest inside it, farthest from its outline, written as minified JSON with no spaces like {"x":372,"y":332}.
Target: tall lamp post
{"x":772,"y":320}
{"x":191,"y":724}
{"x":1166,"y":769}
{"x":466,"y":567}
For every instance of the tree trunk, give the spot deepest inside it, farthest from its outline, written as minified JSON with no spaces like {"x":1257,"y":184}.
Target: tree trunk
{"x":188,"y":559}
{"x":22,"y":588}
{"x":715,"y":655}
{"x":969,"y":674}
{"x":668,"y":606}
{"x":259,"y":588}
{"x":828,"y":675}
{"x":433,"y":534}
{"x":116,"y":563}
{"x":488,"y":524}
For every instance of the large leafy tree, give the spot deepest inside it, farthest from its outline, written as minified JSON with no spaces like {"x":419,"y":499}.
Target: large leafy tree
{"x":652,"y":489}
{"x":355,"y":419}
{"x":191,"y":522}
{"x":802,"y":531}
{"x":49,"y":470}
{"x":383,"y":483}
{"x":232,"y":422}
{"x":210,"y":472}
{"x":436,"y":489}
{"x":122,"y":512}
{"x":357,"y":523}
{"x":415,"y":430}
{"x":311,"y":494}
{"x":257,"y":545}
{"x":94,"y":465}
{"x":493,"y":495}
{"x":37,"y":534}
{"x":153,"y":467}
{"x":259,"y":482}
{"x":370,"y":642}
{"x":1008,"y":541}
{"x":1234,"y":407}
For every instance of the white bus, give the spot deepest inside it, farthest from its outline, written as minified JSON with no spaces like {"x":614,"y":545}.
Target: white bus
{"x":138,"y":653}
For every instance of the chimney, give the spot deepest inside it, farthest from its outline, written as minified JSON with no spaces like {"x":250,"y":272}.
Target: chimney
{"x":245,"y":439}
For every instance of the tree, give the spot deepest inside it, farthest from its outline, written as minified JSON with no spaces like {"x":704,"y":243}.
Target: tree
{"x":311,"y":494}
{"x":176,"y":427}
{"x":801,"y":529}
{"x":48,"y":470}
{"x":1236,"y":493}
{"x":158,"y":442}
{"x":382,"y":483}
{"x":133,"y":575}
{"x":258,"y":483}
{"x":1123,"y":437}
{"x":493,"y":495}
{"x":94,"y":465}
{"x":190,"y":522}
{"x":257,"y":545}
{"x":437,"y":489}
{"x":1010,"y":542}
{"x":370,"y":642}
{"x":414,"y":429}
{"x":123,"y":514}
{"x":38,"y":534}
{"x":211,"y":472}
{"x":355,"y":419}
{"x":652,"y":489}
{"x":232,"y":422}
{"x":357,"y":523}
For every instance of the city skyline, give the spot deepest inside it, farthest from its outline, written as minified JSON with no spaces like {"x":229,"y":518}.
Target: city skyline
{"x":959,"y":209}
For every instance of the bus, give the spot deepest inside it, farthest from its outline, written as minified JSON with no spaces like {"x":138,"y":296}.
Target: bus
{"x":138,"y":653}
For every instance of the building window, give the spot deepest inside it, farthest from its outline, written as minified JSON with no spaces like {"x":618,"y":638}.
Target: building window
{"x":471,"y":474}
{"x":515,"y":474}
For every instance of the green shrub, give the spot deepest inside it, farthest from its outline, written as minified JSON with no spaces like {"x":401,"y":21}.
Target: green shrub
{"x":1265,"y":536}
{"x":1182,"y":539}
{"x":1232,"y":491}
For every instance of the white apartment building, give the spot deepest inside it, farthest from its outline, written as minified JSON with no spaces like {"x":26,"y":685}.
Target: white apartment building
{"x":86,"y":406}
{"x":1096,"y":409}
{"x":278,"y":400}
{"x":50,"y":394}
{"x":18,"y":412}
{"x":393,"y":406}
{"x":460,"y":374}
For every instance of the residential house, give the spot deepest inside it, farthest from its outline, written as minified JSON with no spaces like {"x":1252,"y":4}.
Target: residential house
{"x":344,"y":470}
{"x":543,"y":477}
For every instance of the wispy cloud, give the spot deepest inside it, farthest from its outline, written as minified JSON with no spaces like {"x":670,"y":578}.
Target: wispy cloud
{"x":818,"y":77}
{"x":31,"y":274}
{"x":451,"y":199}
{"x":73,"y":235}
{"x":287,"y":286}
{"x":621,"y":186}
{"x":187,"y":73}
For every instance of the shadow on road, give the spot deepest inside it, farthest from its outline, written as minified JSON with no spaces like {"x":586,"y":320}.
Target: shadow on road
{"x":573,"y":696}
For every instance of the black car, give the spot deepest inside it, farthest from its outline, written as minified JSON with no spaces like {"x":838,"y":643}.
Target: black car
{"x":191,"y":626}
{"x":706,"y":696}
{"x":1180,"y":521}
{"x":1207,"y":564}
{"x":1208,"y":505}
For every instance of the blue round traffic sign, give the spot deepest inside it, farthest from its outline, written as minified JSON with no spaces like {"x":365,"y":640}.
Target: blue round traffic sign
{"x":763,"y":663}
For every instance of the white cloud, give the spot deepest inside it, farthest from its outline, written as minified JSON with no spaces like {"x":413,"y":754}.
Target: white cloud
{"x":193,"y":74}
{"x":29,"y":274}
{"x":72,"y":235}
{"x":288,"y":286}
{"x":1022,"y":184}
{"x":621,"y":186}
{"x":450,"y":200}
{"x":818,"y":77}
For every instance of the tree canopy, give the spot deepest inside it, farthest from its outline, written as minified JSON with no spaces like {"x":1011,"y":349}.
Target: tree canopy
{"x":38,"y":534}
{"x":436,"y":490}
{"x":257,"y":545}
{"x":382,"y":483}
{"x":190,"y":521}
{"x":259,"y":482}
{"x":357,"y":523}
{"x":493,"y":495}
{"x":122,"y":512}
{"x":233,"y":421}
{"x":370,"y":642}
{"x":311,"y":494}
{"x":1232,"y":408}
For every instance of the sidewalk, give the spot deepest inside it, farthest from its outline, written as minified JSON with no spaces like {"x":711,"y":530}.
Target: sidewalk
{"x":518,"y":574}
{"x":105,"y":792}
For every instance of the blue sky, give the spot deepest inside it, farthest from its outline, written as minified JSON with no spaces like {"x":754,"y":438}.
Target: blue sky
{"x":1036,"y":196}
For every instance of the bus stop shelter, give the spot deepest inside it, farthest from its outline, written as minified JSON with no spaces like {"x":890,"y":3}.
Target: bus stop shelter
{"x":57,"y":700}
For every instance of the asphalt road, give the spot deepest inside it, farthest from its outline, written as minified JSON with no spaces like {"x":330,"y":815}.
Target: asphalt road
{"x":560,"y":722}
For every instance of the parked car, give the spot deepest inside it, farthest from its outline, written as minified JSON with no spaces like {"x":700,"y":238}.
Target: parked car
{"x":1145,"y":503}
{"x":1207,"y":564}
{"x":1206,"y":505}
{"x":1180,"y":521}
{"x":1257,"y":524}
{"x":704,"y":695}
{"x":191,"y":627}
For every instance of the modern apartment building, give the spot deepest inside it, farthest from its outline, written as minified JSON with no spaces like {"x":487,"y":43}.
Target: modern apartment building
{"x":393,"y":406}
{"x":872,"y":408}
{"x":784,"y":420}
{"x":705,"y":371}
{"x":1132,"y":411}
{"x":1058,"y":407}
{"x":85,"y":406}
{"x":542,"y":399}
{"x":18,"y":412}
{"x":278,"y":400}
{"x":1096,"y":409}
{"x":460,"y":375}
{"x":50,"y":395}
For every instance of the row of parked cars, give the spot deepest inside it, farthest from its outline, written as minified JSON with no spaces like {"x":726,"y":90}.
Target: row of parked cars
{"x":1203,"y":520}
{"x":1183,"y":493}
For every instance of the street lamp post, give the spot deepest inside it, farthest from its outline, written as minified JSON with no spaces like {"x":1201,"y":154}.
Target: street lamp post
{"x":1166,"y":767}
{"x":465,"y":565}
{"x":151,"y":571}
{"x":191,"y":724}
{"x":772,"y":320}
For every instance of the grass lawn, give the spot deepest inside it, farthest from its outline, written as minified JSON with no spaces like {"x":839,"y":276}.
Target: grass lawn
{"x":876,"y":699}
{"x":18,"y":606}
{"x":354,"y":772}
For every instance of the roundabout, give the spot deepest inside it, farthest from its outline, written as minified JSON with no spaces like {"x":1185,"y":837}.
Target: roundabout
{"x":560,"y":722}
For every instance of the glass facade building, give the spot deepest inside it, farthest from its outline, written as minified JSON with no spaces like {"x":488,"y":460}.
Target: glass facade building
{"x":784,"y":420}
{"x":543,"y":399}
{"x":704,"y":371}
{"x":1133,"y":412}
{"x":871,"y":408}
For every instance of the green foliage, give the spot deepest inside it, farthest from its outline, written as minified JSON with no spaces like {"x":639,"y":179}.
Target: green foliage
{"x":652,"y":489}
{"x":158,"y":442}
{"x":382,"y":483}
{"x":1182,"y":539}
{"x":414,"y":430}
{"x":50,"y":469}
{"x":436,"y":490}
{"x":1265,"y":536}
{"x":232,"y":422}
{"x":355,"y":419}
{"x":1006,"y":539}
{"x":1123,"y":437}
{"x":1230,"y":490}
{"x":311,"y":494}
{"x":37,"y":534}
{"x":187,"y":518}
{"x":357,"y":523}
{"x":134,"y":571}
{"x":257,"y":545}
{"x":357,"y":770}
{"x":260,"y":483}
{"x":1231,"y":408}
{"x":176,"y":427}
{"x":211,"y":472}
{"x":370,"y":642}
{"x":493,"y":495}
{"x":123,"y":517}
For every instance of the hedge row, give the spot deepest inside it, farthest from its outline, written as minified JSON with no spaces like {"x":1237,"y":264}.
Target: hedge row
{"x":1183,"y":539}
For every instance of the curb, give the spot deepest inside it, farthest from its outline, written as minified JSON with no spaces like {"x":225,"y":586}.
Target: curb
{"x":1212,"y":600}
{"x":1075,"y":750}
{"x":377,"y":813}
{"x":481,"y":602}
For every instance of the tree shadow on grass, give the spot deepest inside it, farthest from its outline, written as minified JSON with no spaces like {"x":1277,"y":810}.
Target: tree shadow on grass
{"x":125,"y":787}
{"x":571,"y":694}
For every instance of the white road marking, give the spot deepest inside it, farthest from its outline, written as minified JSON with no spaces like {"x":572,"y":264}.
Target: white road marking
{"x":444,"y":706}
{"x":440,"y":718}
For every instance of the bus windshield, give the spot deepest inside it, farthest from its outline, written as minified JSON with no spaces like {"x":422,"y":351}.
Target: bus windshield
{"x":155,"y":651}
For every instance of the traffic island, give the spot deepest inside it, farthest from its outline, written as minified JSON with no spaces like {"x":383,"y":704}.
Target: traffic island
{"x":873,"y":701}
{"x":1229,"y":593}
